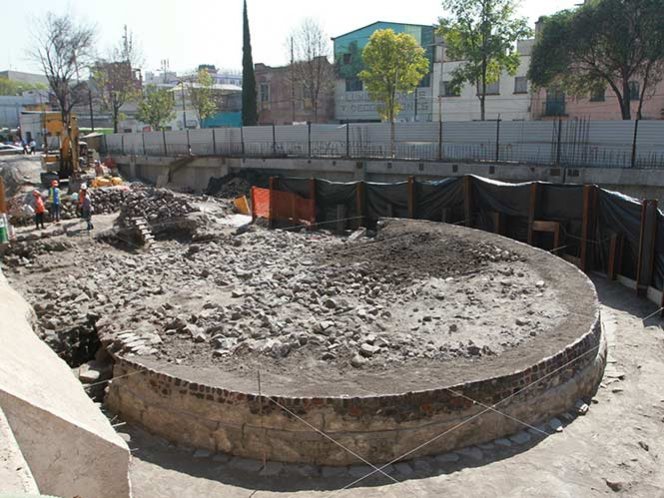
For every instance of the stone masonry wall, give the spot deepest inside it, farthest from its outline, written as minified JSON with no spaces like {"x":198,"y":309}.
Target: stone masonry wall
{"x":380,"y":428}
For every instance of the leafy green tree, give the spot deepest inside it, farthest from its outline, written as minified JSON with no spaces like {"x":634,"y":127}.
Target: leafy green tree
{"x":395,"y":64}
{"x":156,"y":107}
{"x":202,"y":95}
{"x":607,"y":42}
{"x":482,"y":34}
{"x":249,"y":105}
{"x":10,"y":87}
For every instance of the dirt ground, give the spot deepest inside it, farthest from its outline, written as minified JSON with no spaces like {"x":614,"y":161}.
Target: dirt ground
{"x":616,"y":449}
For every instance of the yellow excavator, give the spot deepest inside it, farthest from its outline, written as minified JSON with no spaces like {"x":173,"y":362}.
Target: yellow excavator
{"x":62,"y":163}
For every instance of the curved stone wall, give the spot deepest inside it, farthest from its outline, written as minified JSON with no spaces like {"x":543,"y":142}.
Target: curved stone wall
{"x":379,"y":428}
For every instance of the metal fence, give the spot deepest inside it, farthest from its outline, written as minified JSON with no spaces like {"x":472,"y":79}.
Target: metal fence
{"x":582,"y":143}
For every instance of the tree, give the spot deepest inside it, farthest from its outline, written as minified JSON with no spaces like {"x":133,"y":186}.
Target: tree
{"x":482,"y":34}
{"x":115,"y":77}
{"x":202,"y":94}
{"x":11,"y":87}
{"x":156,"y":107}
{"x":395,"y":64}
{"x":607,"y":42}
{"x":249,"y":106}
{"x":62,"y":46}
{"x":310,"y":67}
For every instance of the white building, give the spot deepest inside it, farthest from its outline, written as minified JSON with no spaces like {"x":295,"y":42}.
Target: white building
{"x":509,"y":98}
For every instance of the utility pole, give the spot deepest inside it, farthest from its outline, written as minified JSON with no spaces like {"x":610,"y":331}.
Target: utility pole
{"x":292,"y":70}
{"x":184,"y":111}
{"x":92,"y":116}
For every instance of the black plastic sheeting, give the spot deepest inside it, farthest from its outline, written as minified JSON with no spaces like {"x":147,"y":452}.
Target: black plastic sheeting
{"x":658,"y":271}
{"x":618,"y":214}
{"x":510,"y":200}
{"x":330,"y":194}
{"x":386,"y":199}
{"x":564,"y":204}
{"x":434,"y":196}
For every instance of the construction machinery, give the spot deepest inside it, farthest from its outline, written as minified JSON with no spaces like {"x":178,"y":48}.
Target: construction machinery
{"x":63,"y":163}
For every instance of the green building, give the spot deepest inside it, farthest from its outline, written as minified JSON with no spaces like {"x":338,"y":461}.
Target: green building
{"x":352,"y":104}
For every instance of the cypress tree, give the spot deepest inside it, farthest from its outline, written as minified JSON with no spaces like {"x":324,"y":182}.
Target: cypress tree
{"x":249,"y":107}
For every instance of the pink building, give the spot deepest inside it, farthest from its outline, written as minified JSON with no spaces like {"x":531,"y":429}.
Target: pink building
{"x":601,"y":106}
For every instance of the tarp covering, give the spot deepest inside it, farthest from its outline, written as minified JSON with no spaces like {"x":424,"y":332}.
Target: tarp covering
{"x":511,"y":200}
{"x":434,"y":196}
{"x":386,"y":199}
{"x":619,"y":214}
{"x":658,"y":272}
{"x":563,"y":203}
{"x":331,"y":194}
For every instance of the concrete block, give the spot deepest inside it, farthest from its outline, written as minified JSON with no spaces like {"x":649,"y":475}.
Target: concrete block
{"x":68,"y":443}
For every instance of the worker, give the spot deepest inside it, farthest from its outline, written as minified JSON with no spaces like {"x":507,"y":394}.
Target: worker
{"x":86,"y":206}
{"x":39,"y":209}
{"x":99,"y":171}
{"x":82,"y":194}
{"x":54,"y":201}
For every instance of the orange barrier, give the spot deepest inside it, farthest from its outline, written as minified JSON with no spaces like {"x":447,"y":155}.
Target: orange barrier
{"x":282,"y":206}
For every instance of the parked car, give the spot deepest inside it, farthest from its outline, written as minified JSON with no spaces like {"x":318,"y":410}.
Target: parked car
{"x":6,"y":149}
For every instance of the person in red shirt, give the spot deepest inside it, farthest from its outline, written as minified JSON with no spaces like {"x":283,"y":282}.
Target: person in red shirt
{"x":40,"y":209}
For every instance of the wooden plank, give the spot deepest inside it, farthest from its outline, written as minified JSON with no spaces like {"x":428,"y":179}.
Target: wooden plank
{"x":411,"y":197}
{"x":646,"y":251}
{"x":468,"y":201}
{"x":613,"y":256}
{"x":3,"y":205}
{"x":341,"y":219}
{"x":532,"y":210}
{"x":545,"y":226}
{"x":360,"y":203}
{"x":273,"y":185}
{"x":312,"y":196}
{"x":588,"y":193}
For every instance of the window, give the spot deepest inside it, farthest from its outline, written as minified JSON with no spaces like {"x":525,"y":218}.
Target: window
{"x":354,"y":85}
{"x":447,"y":91}
{"x":520,"y":84}
{"x":265,"y":93}
{"x":425,"y":82}
{"x":348,"y":58}
{"x":634,"y":90}
{"x":491,"y":88}
{"x":597,"y":95}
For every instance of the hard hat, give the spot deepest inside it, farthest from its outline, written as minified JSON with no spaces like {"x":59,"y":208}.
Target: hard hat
{"x":84,"y":186}
{"x":35,"y":192}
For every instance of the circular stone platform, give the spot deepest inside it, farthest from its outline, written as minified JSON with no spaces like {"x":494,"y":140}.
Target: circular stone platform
{"x":380,"y":343}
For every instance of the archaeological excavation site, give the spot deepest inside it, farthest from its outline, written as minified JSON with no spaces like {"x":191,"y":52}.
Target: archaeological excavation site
{"x":296,"y":328}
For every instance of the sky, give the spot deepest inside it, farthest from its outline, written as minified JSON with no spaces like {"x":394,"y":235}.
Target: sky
{"x":192,"y":32}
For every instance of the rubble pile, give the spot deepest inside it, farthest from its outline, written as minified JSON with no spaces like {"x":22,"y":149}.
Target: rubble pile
{"x":154,"y":204}
{"x":239,"y":300}
{"x":231,"y":188}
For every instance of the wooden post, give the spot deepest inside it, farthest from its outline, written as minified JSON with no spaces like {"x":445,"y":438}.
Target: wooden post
{"x":341,"y":219}
{"x":587,"y":225}
{"x":3,"y":207}
{"x":532,"y":210}
{"x":242,"y":140}
{"x":312,"y":196}
{"x":360,"y":203}
{"x":214,"y":143}
{"x":273,"y":186}
{"x":411,"y":197}
{"x":163,"y":135}
{"x":636,"y":132}
{"x":468,"y":201}
{"x":647,"y":239}
{"x":615,"y":256}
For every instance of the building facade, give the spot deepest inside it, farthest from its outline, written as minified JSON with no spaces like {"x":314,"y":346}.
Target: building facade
{"x":283,"y":101}
{"x":508,"y":98}
{"x":599,"y":105}
{"x":352,"y":102}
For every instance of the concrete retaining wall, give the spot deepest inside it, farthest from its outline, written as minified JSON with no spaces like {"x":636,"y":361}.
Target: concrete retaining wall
{"x":380,"y":428}
{"x":15,"y":474}
{"x":196,"y":172}
{"x":67,"y":442}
